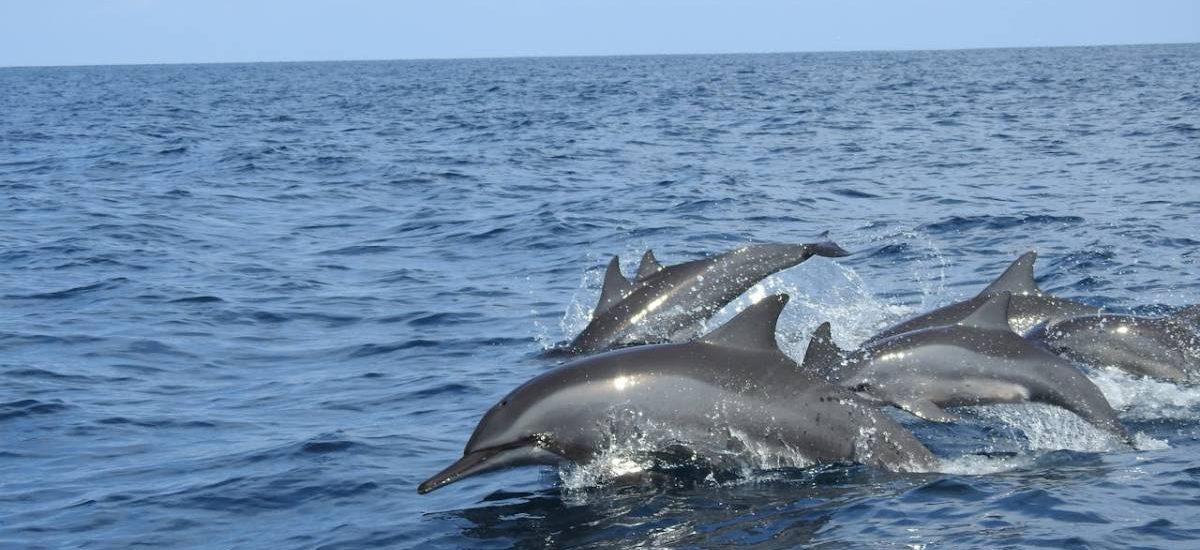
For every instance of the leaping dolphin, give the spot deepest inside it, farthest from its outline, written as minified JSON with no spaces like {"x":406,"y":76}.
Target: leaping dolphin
{"x":732,"y":388}
{"x":1167,"y":348}
{"x":978,"y":360}
{"x":665,"y":301}
{"x":1030,"y":305}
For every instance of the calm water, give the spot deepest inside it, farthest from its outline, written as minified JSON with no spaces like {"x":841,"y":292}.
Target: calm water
{"x":253,"y":306}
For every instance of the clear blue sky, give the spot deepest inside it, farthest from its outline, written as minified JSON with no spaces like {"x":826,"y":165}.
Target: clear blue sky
{"x":75,"y":32}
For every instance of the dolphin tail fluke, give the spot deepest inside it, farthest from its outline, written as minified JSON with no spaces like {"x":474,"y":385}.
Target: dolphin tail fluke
{"x":1017,"y":279}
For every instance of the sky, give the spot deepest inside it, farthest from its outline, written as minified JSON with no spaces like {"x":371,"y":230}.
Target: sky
{"x":102,"y":32}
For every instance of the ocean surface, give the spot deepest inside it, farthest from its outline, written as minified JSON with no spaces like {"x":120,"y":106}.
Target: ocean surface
{"x":253,"y":306}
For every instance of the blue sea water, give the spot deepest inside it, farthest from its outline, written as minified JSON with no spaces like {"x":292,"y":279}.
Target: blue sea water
{"x":253,"y":306}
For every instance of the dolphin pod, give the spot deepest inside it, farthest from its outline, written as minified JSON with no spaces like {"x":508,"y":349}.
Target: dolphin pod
{"x":734,"y":391}
{"x":662,"y":302}
{"x":1030,"y":306}
{"x":1165,"y":348}
{"x":698,"y":394}
{"x":977,"y":361}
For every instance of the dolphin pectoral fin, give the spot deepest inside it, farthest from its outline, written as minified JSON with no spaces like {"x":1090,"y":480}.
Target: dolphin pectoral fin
{"x":487,"y":460}
{"x":916,"y":406}
{"x":1017,"y":279}
{"x":927,"y":410}
{"x":873,"y":400}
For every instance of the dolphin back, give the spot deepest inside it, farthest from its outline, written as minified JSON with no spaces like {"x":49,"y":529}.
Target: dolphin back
{"x":664,"y":303}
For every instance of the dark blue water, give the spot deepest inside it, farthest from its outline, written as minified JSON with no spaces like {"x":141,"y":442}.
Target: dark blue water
{"x":253,"y":306}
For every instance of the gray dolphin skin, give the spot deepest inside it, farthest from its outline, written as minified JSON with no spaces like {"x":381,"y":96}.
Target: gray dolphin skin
{"x":1030,"y":306}
{"x":665,"y":301}
{"x":1166,"y":348}
{"x":977,"y":361}
{"x":731,"y":389}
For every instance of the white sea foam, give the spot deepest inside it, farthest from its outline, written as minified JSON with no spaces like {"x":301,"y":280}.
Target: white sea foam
{"x":974,"y":464}
{"x":1147,"y":398}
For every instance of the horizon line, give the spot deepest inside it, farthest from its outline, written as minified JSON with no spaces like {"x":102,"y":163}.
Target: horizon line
{"x":588,"y":56}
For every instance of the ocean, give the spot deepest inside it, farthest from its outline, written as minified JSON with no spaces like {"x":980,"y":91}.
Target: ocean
{"x":253,"y":306}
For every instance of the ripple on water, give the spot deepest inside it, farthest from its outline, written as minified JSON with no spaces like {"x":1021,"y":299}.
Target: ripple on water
{"x":255,"y":305}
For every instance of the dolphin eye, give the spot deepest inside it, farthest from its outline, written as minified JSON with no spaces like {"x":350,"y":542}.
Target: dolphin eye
{"x":863,"y":386}
{"x":503,"y":402}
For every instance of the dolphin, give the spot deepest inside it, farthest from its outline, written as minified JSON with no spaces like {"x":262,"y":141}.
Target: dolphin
{"x":662,"y":302}
{"x":1166,"y":348}
{"x":977,"y":361}
{"x":1030,"y":305}
{"x":730,"y":389}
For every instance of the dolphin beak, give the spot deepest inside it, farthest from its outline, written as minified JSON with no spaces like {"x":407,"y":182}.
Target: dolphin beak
{"x":469,"y":464}
{"x":486,"y":460}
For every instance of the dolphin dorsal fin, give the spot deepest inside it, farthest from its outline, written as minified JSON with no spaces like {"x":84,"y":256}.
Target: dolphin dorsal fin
{"x":616,"y":287}
{"x":1017,"y":279}
{"x":992,"y":314}
{"x":649,"y":266}
{"x":822,"y":353}
{"x":753,"y":328}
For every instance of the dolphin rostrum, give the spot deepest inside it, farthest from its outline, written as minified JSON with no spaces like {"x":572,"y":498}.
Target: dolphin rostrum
{"x":1030,"y":305}
{"x":730,"y":389}
{"x":977,"y":361}
{"x":1167,"y":348}
{"x":665,"y":301}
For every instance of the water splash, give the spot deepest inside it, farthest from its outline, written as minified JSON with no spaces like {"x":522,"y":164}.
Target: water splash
{"x":1146,"y":398}
{"x":1050,"y":428}
{"x":821,"y":289}
{"x":638,"y":447}
{"x":977,"y":464}
{"x":583,"y":302}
